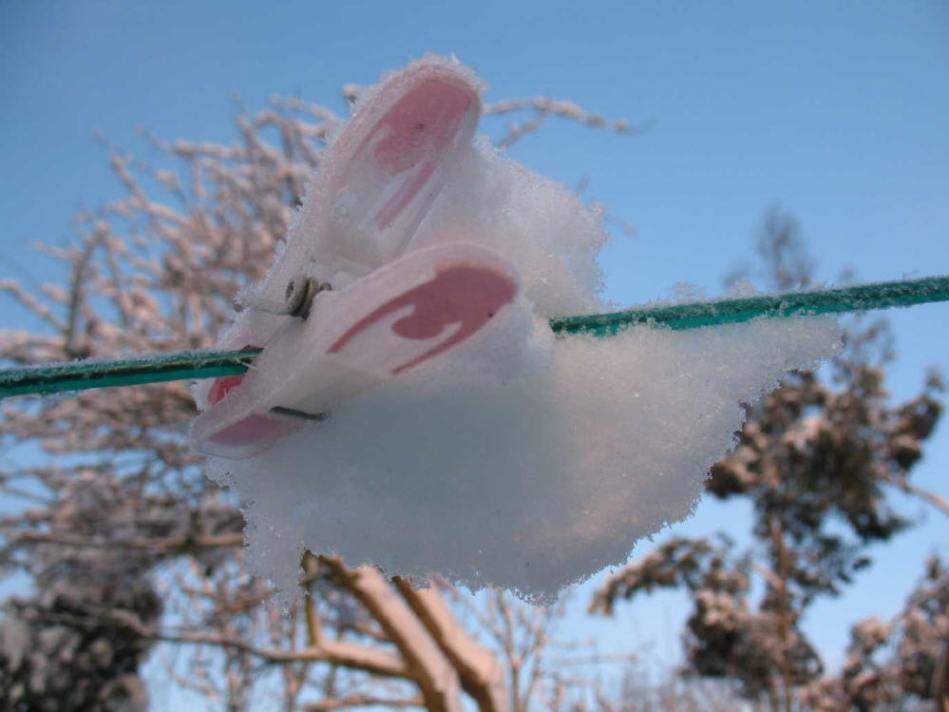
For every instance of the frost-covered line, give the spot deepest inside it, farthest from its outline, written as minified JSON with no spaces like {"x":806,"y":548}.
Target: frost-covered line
{"x":83,"y":375}
{"x":694,"y":315}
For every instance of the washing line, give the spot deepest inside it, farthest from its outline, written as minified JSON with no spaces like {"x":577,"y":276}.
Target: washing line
{"x":190,"y":365}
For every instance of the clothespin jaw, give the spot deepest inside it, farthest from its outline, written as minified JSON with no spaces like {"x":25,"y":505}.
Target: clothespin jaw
{"x":395,"y":319}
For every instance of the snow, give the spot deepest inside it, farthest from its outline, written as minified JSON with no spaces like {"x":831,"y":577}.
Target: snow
{"x":520,"y":459}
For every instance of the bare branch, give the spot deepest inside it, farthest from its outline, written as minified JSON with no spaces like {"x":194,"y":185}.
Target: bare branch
{"x":436,"y":678}
{"x":480,"y":673}
{"x":933,"y":498}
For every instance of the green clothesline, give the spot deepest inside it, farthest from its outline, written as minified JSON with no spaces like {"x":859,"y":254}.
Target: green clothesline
{"x":82,"y":375}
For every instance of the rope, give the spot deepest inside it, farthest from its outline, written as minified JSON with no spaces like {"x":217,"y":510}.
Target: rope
{"x":82,"y":375}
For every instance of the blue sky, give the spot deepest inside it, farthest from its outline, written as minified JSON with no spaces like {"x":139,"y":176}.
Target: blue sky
{"x":838,"y":111}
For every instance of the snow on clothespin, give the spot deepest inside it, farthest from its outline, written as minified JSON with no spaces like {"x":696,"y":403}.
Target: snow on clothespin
{"x":395,"y":306}
{"x":464,"y":437}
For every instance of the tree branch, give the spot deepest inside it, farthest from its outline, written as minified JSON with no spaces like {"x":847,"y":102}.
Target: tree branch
{"x":478,"y":669}
{"x":936,"y":500}
{"x":435,"y":676}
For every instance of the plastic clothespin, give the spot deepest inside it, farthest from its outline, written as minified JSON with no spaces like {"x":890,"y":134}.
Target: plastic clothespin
{"x":401,"y":306}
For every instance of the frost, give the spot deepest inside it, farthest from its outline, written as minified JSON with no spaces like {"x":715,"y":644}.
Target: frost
{"x":519,"y":459}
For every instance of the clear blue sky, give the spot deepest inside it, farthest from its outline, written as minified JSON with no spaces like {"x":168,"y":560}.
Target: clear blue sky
{"x":839,"y":111}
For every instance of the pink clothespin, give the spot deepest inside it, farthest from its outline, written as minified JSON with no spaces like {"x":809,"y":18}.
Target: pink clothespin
{"x":391,"y":308}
